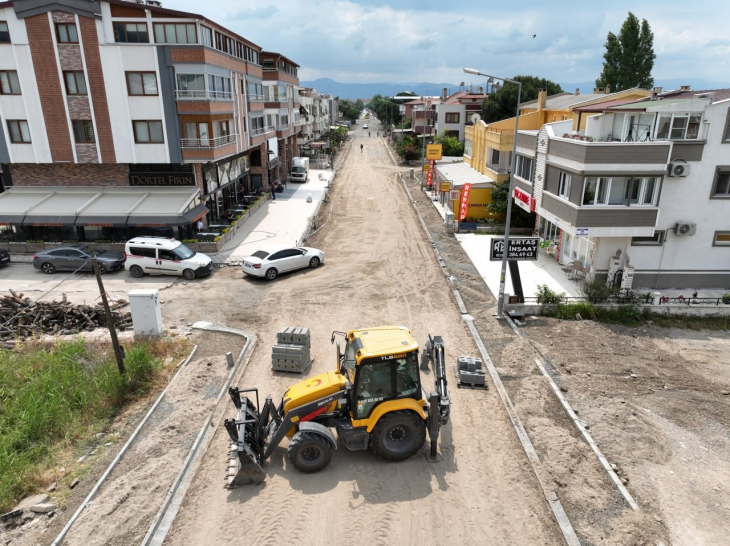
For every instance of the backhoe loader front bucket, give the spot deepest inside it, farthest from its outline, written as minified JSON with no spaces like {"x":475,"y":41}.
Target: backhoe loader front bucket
{"x":248,"y":435}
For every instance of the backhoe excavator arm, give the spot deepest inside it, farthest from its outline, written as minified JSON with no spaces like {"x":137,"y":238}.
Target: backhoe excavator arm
{"x":438,"y":401}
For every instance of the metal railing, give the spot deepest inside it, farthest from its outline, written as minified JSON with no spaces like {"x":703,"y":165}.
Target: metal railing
{"x":207,"y":143}
{"x":257,"y":131}
{"x":256,"y":98}
{"x":625,"y":299}
{"x":269,"y":129}
{"x":203,"y":95}
{"x":282,"y":127}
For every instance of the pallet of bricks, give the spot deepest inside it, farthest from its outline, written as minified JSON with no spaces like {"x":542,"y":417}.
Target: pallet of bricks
{"x":291,"y":351}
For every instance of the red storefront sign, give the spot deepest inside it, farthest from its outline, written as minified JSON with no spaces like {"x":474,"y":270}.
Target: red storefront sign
{"x":524,"y":200}
{"x":464,"y":203}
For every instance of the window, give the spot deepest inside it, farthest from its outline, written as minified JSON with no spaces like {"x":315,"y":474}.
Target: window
{"x":9,"y":84}
{"x":221,"y":129}
{"x":595,"y":191}
{"x":4,"y":33}
{"x":721,"y":187}
{"x":75,"y":83}
{"x":452,"y":117}
{"x":19,"y":133}
{"x":131,"y":33}
{"x":523,"y":169}
{"x":83,"y":132}
{"x":494,"y":157}
{"x":255,"y":90}
{"x":374,"y":384}
{"x":219,"y":87}
{"x":564,"y":185}
{"x":175,"y":33}
{"x":148,"y":132}
{"x":141,"y":83}
{"x":721,"y":238}
{"x":655,"y":240}
{"x":726,"y":134}
{"x":66,"y":33}
{"x":206,"y":36}
{"x":142,"y":251}
{"x":683,"y":126}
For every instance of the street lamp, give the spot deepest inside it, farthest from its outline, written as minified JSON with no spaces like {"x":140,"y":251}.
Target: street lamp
{"x":500,"y":299}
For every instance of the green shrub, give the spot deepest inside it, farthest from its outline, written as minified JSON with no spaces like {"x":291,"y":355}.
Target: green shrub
{"x":572,"y":310}
{"x":216,"y":238}
{"x":225,"y":230}
{"x":233,"y":223}
{"x":546,"y":295}
{"x":726,"y":299}
{"x":189,"y":241}
{"x":239,"y":216}
{"x":34,"y":242}
{"x":648,"y":297}
{"x":597,"y":291}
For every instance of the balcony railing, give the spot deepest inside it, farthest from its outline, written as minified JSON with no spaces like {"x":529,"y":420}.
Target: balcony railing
{"x":282,"y":127}
{"x":269,"y":129}
{"x":207,"y":143}
{"x":256,"y":98}
{"x":257,"y":131}
{"x":203,"y":95}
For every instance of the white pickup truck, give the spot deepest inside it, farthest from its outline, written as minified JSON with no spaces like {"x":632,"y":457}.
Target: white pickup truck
{"x":300,"y":169}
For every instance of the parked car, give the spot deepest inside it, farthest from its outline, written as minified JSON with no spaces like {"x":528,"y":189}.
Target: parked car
{"x":162,"y":256}
{"x":4,"y":257}
{"x":364,"y":125}
{"x":76,"y":257}
{"x":271,"y":262}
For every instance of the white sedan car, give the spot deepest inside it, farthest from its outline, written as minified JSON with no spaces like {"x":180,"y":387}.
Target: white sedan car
{"x":271,"y":262}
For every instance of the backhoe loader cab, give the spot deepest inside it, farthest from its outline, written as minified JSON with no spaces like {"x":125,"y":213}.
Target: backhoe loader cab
{"x":374,"y":398}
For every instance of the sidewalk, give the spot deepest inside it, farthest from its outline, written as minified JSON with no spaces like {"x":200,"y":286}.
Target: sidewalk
{"x":282,"y":221}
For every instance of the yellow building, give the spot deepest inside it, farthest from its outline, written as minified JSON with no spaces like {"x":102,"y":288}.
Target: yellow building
{"x":488,"y":147}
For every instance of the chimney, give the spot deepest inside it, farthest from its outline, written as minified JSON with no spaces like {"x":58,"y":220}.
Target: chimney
{"x":656,"y":91}
{"x":685,"y":88}
{"x":577,"y":91}
{"x":541,"y":99}
{"x":480,"y":90}
{"x":598,"y":90}
{"x":444,"y":94}
{"x":608,"y":89}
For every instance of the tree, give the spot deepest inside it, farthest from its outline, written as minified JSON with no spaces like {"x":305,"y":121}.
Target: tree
{"x":629,"y":57}
{"x":502,"y":104}
{"x":498,"y":206}
{"x":385,"y":108}
{"x":408,"y":148}
{"x":351,"y":110}
{"x":451,"y":145}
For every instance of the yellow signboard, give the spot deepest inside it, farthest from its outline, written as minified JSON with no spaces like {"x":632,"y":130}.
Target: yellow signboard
{"x":445,"y":186}
{"x":433,"y":151}
{"x":426,"y":167}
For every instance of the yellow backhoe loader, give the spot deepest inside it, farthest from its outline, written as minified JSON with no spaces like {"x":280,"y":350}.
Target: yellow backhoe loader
{"x":374,"y":398}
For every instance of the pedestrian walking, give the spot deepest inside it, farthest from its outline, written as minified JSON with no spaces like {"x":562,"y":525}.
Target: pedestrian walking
{"x":368,"y":134}
{"x":199,"y":225}
{"x":360,"y":148}
{"x":273,"y":191}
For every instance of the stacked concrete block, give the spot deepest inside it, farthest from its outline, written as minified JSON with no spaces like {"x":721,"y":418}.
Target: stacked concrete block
{"x":469,"y":371}
{"x":291,"y":352}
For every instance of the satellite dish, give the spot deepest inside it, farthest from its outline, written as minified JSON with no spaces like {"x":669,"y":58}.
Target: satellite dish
{"x":475,"y":118}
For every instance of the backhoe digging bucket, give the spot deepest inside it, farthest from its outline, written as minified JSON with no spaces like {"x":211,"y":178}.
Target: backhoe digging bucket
{"x":248,"y":436}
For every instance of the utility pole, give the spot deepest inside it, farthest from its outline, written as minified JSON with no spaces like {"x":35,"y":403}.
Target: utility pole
{"x":108,"y":313}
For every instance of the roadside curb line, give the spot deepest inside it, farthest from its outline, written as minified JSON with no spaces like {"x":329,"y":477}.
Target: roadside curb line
{"x":580,"y":426}
{"x":99,"y":483}
{"x":164,"y":519}
{"x":550,"y":495}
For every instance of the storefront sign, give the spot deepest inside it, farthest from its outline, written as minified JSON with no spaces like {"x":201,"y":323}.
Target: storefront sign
{"x":464,"y":203}
{"x":581,"y":232}
{"x":520,"y":248}
{"x":454,"y":195}
{"x":151,"y":225}
{"x":47,"y":224}
{"x":524,"y":200}
{"x":157,"y":179}
{"x":434,"y":151}
{"x":445,"y":186}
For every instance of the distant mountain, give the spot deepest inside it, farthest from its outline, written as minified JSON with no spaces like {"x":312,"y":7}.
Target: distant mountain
{"x":667,"y":85}
{"x":367,"y":90}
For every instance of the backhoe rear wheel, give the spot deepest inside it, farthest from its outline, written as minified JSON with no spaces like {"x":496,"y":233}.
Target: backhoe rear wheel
{"x":309,"y":452}
{"x":398,"y":435}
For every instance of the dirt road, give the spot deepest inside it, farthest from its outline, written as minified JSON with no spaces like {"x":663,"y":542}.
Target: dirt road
{"x":379,"y":269}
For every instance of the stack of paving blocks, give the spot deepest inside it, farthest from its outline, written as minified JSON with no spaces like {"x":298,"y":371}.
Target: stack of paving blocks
{"x":291,"y":352}
{"x":469,"y":371}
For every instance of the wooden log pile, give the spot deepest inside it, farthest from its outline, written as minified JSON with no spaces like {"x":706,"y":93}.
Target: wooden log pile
{"x":21,"y":318}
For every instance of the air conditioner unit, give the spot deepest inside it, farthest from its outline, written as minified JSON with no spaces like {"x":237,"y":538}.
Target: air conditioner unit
{"x":685,"y":228}
{"x":678,"y":169}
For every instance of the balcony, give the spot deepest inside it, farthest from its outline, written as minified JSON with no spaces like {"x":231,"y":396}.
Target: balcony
{"x":207,"y":143}
{"x":608,"y":157}
{"x":203,"y":95}
{"x":256,"y":98}
{"x":257,"y":131}
{"x":282,"y":127}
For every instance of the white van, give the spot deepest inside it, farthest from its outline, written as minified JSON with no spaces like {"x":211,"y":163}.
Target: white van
{"x":161,"y":256}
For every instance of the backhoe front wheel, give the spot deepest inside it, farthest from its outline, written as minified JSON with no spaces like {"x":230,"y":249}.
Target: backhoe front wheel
{"x":309,"y":452}
{"x":398,"y":435}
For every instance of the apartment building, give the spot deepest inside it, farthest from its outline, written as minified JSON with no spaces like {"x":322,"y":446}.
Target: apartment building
{"x":123,"y":117}
{"x":454,"y":111}
{"x":641,"y":197}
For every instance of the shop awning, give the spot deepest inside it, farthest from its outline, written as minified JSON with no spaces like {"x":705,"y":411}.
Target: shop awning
{"x":461,"y":173}
{"x":96,"y":206}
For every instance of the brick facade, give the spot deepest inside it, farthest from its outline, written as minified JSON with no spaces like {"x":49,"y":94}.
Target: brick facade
{"x":86,"y":153}
{"x":97,"y":89}
{"x":70,"y":57}
{"x":49,"y":174}
{"x":78,"y":108}
{"x":49,"y":86}
{"x":62,"y":17}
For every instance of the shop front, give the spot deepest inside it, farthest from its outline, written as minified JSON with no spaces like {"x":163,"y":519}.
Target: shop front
{"x":113,"y":214}
{"x":226,"y":184}
{"x":454,"y":176}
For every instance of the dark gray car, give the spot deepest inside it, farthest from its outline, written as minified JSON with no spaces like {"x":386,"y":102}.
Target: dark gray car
{"x":4,"y":257}
{"x":73,"y":257}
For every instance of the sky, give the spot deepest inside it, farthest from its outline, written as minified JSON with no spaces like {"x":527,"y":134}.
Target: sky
{"x":367,"y":41}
